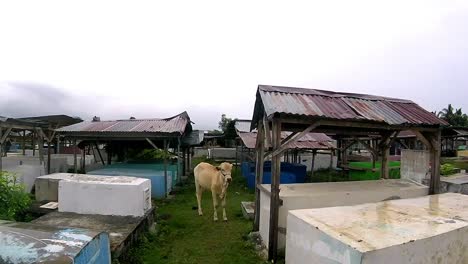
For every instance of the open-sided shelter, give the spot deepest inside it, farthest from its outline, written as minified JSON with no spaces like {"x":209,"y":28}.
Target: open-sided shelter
{"x":157,"y":132}
{"x":39,"y":127}
{"x":301,"y":111}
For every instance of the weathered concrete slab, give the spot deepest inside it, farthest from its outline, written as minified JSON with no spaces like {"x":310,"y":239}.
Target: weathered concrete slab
{"x":248,"y":210}
{"x":429,"y":229}
{"x":456,"y":183}
{"x":327,"y":194}
{"x":36,"y":243}
{"x":123,"y":230}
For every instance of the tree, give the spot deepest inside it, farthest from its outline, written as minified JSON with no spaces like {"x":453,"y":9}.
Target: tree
{"x":453,"y":116}
{"x":224,"y":123}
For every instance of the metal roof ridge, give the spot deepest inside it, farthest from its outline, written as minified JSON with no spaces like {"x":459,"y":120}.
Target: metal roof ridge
{"x":330,"y":94}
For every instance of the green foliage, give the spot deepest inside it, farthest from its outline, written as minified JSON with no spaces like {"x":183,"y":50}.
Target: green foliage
{"x":150,"y":154}
{"x":447,"y":169}
{"x":223,"y":124}
{"x":13,"y":199}
{"x":453,"y":116}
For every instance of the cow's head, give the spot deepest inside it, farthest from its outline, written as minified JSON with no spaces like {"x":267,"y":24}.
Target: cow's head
{"x":225,"y":169}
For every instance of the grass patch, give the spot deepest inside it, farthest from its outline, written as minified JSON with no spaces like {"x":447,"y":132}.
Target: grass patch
{"x":457,"y":163}
{"x":184,"y":237}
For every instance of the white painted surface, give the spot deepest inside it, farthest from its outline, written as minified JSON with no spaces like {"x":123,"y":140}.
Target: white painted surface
{"x":327,"y":194}
{"x":414,"y":164}
{"x":47,"y":186}
{"x":104,"y":195}
{"x":322,"y":161}
{"x":429,"y":229}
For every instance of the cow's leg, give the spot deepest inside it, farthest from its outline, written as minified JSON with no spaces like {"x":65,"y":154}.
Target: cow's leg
{"x":215,"y":205}
{"x":198,"y":193}
{"x":223,"y":203}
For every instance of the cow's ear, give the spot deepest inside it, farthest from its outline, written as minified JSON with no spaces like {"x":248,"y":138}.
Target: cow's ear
{"x":218,"y":167}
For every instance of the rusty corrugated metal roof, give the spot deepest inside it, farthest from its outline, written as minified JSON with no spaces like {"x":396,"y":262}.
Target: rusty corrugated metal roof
{"x":176,"y":124}
{"x":341,"y":106}
{"x":308,"y":141}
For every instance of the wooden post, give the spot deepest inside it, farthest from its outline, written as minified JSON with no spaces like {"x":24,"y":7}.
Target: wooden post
{"x":179,"y":172}
{"x":48,"y":156}
{"x":165,"y":168}
{"x":385,"y":150}
{"x":109,"y":153}
{"x":83,"y":160}
{"x":190,"y":160}
{"x":40,"y":140}
{"x":75,"y":161}
{"x":33,"y":142}
{"x":259,"y":161}
{"x":57,"y":149}
{"x":274,"y":200}
{"x":24,"y":142}
{"x":314,"y":153}
{"x":435,"y":162}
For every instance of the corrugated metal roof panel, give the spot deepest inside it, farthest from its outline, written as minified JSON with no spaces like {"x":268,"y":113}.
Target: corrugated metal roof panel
{"x":344,"y":106}
{"x":309,"y":141}
{"x":176,"y":124}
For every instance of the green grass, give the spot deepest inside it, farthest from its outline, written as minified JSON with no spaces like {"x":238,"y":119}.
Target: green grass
{"x":457,"y":163}
{"x":372,"y":175}
{"x":184,"y":237}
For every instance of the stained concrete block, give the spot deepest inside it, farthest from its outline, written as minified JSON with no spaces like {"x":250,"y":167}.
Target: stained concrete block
{"x":47,"y":186}
{"x":327,"y":194}
{"x":105,"y":195}
{"x":414,"y":164}
{"x":429,"y":229}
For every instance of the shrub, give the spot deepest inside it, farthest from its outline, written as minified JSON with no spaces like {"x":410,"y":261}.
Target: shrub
{"x":447,"y":169}
{"x":13,"y":198}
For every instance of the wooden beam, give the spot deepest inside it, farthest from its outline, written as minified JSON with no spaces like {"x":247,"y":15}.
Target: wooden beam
{"x":99,"y":153}
{"x":151,"y":143}
{"x":267,"y":132}
{"x":288,"y":137}
{"x":274,"y":201}
{"x":5,"y":135}
{"x":296,"y":137}
{"x":423,"y":139}
{"x":259,"y":163}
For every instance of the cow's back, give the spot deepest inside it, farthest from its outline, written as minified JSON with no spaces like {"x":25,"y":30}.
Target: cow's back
{"x":204,"y":174}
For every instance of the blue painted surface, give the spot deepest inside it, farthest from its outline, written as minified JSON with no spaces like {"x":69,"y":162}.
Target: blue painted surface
{"x":153,"y":172}
{"x":96,"y":251}
{"x":290,"y":173}
{"x":35,"y":243}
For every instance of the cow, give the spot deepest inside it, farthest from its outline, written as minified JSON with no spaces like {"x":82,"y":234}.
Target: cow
{"x":216,"y":179}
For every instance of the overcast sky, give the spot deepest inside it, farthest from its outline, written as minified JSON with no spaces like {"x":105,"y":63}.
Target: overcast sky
{"x":117,"y":59}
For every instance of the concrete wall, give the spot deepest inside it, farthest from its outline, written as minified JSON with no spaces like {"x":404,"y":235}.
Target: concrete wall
{"x":216,"y":153}
{"x":429,"y":229}
{"x":414,"y":164}
{"x":319,"y":195}
{"x":104,"y":195}
{"x":322,"y":161}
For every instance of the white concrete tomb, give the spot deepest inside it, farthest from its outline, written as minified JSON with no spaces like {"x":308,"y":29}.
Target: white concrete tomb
{"x":327,"y":194}
{"x":105,"y":195}
{"x":430,"y":229}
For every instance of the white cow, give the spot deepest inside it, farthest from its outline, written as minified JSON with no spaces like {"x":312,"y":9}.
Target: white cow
{"x":216,"y":179}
